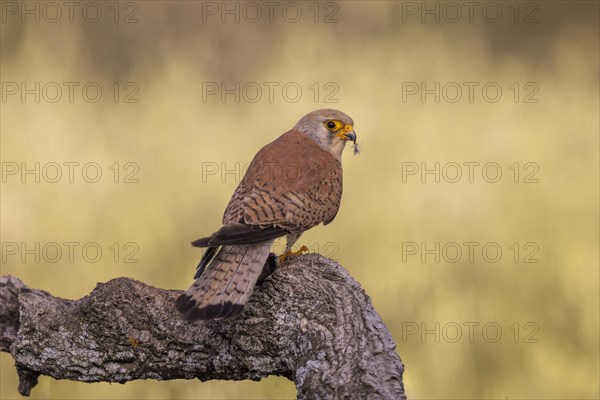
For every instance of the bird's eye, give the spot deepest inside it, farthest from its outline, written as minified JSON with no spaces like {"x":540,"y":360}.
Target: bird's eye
{"x":331,"y":125}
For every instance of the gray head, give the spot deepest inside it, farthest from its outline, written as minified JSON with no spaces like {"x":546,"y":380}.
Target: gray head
{"x":329,"y":128}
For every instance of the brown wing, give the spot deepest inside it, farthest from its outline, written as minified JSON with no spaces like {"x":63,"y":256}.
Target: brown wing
{"x":291,"y":184}
{"x":237,"y":233}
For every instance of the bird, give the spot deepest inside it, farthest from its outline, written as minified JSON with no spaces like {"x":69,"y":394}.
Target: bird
{"x":292,"y":185}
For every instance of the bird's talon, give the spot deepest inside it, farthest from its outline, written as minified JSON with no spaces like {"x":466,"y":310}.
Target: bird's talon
{"x":290,"y":253}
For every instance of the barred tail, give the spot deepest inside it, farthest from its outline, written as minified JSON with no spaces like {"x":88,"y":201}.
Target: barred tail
{"x":225,"y":281}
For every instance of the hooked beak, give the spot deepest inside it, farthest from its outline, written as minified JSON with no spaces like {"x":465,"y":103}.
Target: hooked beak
{"x":347,"y":133}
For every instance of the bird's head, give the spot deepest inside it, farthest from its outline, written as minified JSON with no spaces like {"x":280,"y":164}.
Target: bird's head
{"x":330,"y":129}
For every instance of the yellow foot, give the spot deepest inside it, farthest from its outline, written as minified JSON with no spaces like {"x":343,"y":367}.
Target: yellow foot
{"x":290,"y":253}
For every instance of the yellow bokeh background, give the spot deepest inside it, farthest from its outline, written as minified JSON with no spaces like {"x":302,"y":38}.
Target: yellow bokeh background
{"x":187,"y":148}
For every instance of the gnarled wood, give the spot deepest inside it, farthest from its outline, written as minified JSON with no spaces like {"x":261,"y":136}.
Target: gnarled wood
{"x":308,"y":321}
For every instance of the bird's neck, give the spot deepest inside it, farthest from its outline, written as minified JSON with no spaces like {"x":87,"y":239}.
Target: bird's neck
{"x":336,"y":149}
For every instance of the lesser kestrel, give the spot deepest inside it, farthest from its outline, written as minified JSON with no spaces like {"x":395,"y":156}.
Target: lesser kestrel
{"x":293,"y":184}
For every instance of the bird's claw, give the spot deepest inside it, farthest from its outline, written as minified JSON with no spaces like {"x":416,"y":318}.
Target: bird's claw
{"x":291,"y":253}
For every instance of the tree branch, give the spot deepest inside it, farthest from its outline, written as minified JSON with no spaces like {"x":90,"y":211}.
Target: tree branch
{"x":309,"y":321}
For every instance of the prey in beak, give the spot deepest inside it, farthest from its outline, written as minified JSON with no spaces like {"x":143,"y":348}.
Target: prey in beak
{"x":347,"y":133}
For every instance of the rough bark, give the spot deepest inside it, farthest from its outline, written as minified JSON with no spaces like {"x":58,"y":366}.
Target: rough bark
{"x":309,"y":321}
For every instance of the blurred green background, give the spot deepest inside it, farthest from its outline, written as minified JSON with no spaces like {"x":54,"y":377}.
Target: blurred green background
{"x":466,"y":327}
